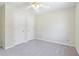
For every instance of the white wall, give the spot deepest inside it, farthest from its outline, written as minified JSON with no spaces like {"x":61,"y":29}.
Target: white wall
{"x":53,"y":26}
{"x":18,"y":25}
{"x":56,"y":26}
{"x":77,"y":28}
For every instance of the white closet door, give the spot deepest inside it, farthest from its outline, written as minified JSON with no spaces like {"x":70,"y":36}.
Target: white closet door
{"x":19,"y":26}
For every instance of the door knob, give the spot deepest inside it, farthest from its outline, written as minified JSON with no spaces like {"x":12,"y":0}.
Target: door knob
{"x":22,"y":30}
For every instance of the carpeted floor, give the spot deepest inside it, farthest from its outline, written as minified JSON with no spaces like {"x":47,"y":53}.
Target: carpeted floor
{"x":39,"y":48}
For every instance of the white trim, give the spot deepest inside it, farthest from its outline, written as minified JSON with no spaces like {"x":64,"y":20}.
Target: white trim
{"x":40,"y":39}
{"x":55,"y":42}
{"x":15,"y":44}
{"x":77,"y":50}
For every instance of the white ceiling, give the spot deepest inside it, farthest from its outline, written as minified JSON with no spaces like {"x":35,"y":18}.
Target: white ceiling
{"x":57,"y":6}
{"x":53,"y":5}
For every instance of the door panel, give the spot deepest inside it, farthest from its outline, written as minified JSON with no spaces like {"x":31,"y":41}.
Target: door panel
{"x":19,"y":25}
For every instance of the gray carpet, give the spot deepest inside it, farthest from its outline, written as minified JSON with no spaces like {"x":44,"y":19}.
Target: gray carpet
{"x":39,"y":48}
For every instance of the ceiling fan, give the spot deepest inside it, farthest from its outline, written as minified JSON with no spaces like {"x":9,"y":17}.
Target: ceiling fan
{"x":37,"y":5}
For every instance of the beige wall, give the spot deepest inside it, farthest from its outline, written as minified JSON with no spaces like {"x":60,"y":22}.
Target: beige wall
{"x":77,"y":28}
{"x":56,"y":26}
{"x":2,"y":25}
{"x":9,"y":27}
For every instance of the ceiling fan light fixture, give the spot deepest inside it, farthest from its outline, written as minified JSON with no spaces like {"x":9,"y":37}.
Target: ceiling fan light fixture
{"x":36,"y":5}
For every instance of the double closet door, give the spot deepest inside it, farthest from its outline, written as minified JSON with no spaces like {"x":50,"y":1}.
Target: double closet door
{"x":24,"y":26}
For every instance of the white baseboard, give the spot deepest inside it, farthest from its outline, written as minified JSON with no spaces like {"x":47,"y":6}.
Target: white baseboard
{"x":55,"y":42}
{"x":8,"y":47}
{"x":39,"y":39}
{"x":15,"y":44}
{"x":77,"y":50}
